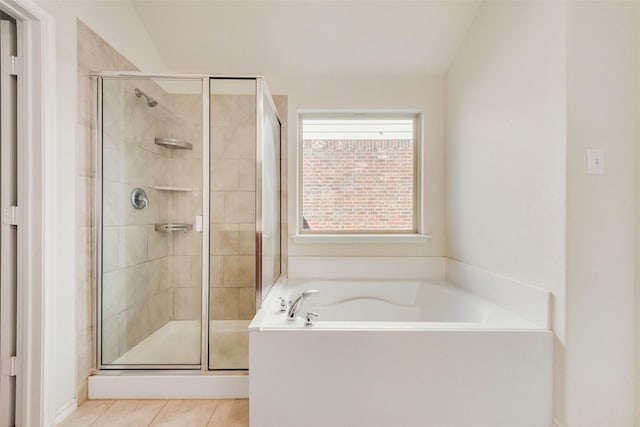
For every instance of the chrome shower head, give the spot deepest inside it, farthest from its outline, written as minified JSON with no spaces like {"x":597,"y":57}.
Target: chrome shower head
{"x":150,"y":101}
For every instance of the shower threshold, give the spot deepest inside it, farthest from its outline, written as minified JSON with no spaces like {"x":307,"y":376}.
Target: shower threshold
{"x":178,"y":342}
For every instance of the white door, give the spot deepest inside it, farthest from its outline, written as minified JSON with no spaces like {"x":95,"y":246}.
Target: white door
{"x":8,"y":229}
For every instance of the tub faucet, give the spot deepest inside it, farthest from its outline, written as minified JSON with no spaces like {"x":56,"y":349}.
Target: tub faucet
{"x":295,"y":305}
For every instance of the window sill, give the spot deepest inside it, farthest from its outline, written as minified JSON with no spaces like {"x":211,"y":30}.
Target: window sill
{"x":359,"y":238}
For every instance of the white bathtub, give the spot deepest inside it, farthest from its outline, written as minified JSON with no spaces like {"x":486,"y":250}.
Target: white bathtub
{"x":397,"y":354}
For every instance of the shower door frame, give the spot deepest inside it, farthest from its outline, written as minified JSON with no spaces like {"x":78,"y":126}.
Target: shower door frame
{"x":261,"y":91}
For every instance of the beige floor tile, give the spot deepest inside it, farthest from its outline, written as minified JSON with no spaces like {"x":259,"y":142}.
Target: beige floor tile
{"x":185,"y":413}
{"x":231,"y":413}
{"x":130,"y":413}
{"x":87,"y":413}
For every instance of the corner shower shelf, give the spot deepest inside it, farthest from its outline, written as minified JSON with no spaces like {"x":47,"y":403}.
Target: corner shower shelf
{"x":173,"y":144}
{"x":170,"y":228}
{"x":170,"y":188}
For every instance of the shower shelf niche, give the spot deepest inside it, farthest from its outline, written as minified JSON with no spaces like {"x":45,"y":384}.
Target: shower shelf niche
{"x":170,"y":188}
{"x":170,"y":228}
{"x":174,"y":144}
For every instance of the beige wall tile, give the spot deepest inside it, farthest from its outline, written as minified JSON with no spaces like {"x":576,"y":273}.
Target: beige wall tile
{"x":240,"y":206}
{"x":196,"y":270}
{"x":157,"y":243}
{"x":216,"y":267}
{"x":246,"y":175}
{"x":187,"y":303}
{"x":94,"y":54}
{"x":180,"y":271}
{"x":84,"y":201}
{"x":109,"y":249}
{"x":224,"y":303}
{"x":223,"y":109}
{"x":164,"y":277}
{"x":84,"y":356}
{"x":136,"y":327}
{"x":239,"y":142}
{"x":225,"y":239}
{"x":246,"y":113}
{"x":217,"y":207}
{"x":86,"y":95}
{"x":85,"y":151}
{"x":133,"y":242}
{"x":110,"y":339}
{"x":114,"y":292}
{"x":189,"y":243}
{"x":225,"y":174}
{"x":239,"y":271}
{"x":247,"y":244}
{"x":159,"y":310}
{"x":246,"y":303}
{"x":84,"y":259}
{"x":114,"y":198}
{"x":84,"y":296}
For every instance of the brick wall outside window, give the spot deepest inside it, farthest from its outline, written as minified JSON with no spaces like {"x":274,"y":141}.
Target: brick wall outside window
{"x":358,"y":185}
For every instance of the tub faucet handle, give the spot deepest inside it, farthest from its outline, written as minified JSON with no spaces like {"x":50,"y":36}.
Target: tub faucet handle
{"x":309,"y":318}
{"x":283,"y":305}
{"x":294,"y":305}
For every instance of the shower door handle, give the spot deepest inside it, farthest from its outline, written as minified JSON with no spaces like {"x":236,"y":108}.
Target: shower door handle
{"x":199,"y":224}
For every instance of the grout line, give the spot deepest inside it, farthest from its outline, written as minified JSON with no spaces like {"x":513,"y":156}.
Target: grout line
{"x":113,"y":402}
{"x":158,"y":413}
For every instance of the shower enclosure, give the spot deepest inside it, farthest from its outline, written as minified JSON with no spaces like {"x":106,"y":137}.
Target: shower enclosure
{"x":188,"y":194}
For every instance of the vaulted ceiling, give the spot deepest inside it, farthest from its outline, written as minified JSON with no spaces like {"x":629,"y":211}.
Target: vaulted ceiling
{"x":308,"y":37}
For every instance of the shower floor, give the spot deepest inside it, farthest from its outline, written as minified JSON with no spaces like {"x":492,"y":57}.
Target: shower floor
{"x":178,"y":343}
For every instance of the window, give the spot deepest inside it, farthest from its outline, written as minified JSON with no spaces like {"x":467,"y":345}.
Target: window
{"x":359,"y":174}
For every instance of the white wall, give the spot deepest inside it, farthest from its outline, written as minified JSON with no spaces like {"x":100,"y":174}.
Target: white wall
{"x":505,"y":144}
{"x":537,"y":84}
{"x":506,"y":150}
{"x":425,"y":94}
{"x":602,"y":78}
{"x":132,"y":40}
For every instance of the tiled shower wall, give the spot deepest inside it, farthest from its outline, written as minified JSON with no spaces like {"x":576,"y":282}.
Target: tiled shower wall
{"x":233,"y":212}
{"x":149,"y":277}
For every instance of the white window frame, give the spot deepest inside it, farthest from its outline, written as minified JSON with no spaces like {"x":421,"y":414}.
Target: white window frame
{"x":365,"y":236}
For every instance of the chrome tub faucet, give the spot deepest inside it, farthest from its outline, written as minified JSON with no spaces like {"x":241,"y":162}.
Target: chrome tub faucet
{"x":294,"y":305}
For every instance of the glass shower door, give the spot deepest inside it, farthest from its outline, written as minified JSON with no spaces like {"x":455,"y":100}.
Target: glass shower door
{"x":151,"y":238}
{"x":233,"y":221}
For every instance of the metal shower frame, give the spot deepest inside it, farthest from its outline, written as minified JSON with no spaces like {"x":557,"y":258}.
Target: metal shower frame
{"x":262,"y":93}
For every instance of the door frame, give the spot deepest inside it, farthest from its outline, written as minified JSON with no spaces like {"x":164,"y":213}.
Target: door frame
{"x":36,"y":212}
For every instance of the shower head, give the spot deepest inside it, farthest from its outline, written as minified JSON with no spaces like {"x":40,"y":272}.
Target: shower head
{"x":150,"y":101}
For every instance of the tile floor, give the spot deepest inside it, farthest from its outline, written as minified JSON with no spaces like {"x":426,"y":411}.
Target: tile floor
{"x":160,"y":413}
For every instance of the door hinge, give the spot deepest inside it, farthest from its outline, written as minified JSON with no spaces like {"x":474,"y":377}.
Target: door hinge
{"x":10,"y":216}
{"x":9,"y":366}
{"x":16,"y":65}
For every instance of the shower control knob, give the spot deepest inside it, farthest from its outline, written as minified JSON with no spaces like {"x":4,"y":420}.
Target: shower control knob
{"x":139,"y":199}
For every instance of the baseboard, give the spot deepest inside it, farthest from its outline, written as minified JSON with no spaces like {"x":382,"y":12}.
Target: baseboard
{"x":556,"y":423}
{"x":65,"y":411}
